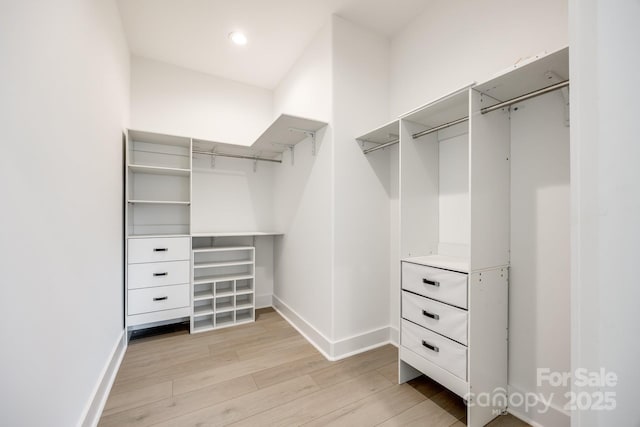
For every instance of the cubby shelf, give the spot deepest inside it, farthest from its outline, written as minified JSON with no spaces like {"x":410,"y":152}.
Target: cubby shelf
{"x":221,"y":278}
{"x":221,"y":264}
{"x":225,"y":298}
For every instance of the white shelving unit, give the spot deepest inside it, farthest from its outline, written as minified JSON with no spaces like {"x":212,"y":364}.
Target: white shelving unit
{"x":223,"y":283}
{"x":455,"y":232}
{"x":158,"y":184}
{"x":158,"y":194}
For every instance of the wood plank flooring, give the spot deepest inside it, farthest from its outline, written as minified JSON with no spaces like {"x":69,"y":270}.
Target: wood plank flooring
{"x":266,"y":374}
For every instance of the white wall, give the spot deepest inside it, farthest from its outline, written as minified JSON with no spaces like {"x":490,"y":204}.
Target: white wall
{"x":454,"y":43}
{"x":232,"y":197}
{"x":362,"y":184}
{"x":605,"y":201}
{"x":539,"y":298}
{"x":64,"y":103}
{"x":306,"y":89}
{"x":304,"y":193}
{"x":176,"y":101}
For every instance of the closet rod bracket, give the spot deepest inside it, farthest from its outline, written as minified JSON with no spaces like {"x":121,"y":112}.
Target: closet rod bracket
{"x":310,"y":134}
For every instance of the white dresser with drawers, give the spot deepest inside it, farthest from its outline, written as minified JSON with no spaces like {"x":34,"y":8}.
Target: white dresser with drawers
{"x":453,"y":328}
{"x":158,"y":276}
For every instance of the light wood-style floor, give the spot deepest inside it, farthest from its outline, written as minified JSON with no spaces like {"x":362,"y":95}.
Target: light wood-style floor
{"x":265,"y":373}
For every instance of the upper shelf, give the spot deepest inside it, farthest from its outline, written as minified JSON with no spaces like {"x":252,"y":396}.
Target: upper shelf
{"x":384,"y":134}
{"x":285,"y":131}
{"x":221,"y":148}
{"x":525,"y":77}
{"x":446,"y":109}
{"x":157,"y":138}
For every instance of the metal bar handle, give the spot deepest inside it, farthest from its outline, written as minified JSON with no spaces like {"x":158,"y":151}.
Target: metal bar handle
{"x":160,"y":249}
{"x":160,"y":274}
{"x":430,"y":282}
{"x":430,"y":347}
{"x":431,"y":315}
{"x":160,"y":298}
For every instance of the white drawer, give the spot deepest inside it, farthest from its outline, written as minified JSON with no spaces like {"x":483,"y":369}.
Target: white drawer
{"x":158,"y":274}
{"x":159,"y":249}
{"x":442,"y":285}
{"x":447,"y":354}
{"x":441,"y":318}
{"x":159,"y":298}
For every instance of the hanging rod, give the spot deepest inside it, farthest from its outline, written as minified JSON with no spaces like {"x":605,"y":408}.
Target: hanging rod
{"x":237,"y":156}
{"x":525,"y":97}
{"x":437,"y":128}
{"x":381,"y":146}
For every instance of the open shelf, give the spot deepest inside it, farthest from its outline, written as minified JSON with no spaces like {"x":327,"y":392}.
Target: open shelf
{"x":158,"y":202}
{"x":155,"y":236}
{"x":244,"y":315}
{"x":203,"y":324}
{"x":202,"y":295}
{"x":159,"y":170}
{"x":382,"y":135}
{"x":237,"y":234}
{"x":224,"y":319}
{"x":221,"y":264}
{"x":222,"y":248}
{"x":203,"y":310}
{"x":220,"y":278}
{"x":224,"y":304}
{"x":443,"y":110}
{"x":527,"y":76}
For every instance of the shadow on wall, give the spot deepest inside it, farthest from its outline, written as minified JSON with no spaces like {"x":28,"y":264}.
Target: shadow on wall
{"x":539,"y":301}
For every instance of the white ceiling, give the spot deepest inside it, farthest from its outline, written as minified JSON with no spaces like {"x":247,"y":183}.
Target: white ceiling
{"x":194,"y":33}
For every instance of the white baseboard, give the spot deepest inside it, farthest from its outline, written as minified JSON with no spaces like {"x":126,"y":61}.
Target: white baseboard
{"x":360,"y":343}
{"x":333,"y":350}
{"x":394,"y":336}
{"x":315,"y":337}
{"x":553,"y":417}
{"x":93,"y":410}
{"x":263,"y":301}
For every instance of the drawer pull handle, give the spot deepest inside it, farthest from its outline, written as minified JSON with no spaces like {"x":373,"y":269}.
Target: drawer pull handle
{"x":160,"y":274}
{"x":160,"y":298}
{"x":431,"y":315}
{"x":160,"y":249}
{"x":430,"y":282}
{"x":430,"y":347}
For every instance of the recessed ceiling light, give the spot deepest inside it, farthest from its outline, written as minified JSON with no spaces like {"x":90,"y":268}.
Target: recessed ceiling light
{"x":238,"y":38}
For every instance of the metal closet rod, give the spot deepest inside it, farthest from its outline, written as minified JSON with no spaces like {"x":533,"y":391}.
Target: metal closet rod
{"x":237,"y":156}
{"x":437,"y":128}
{"x":381,"y":146}
{"x":525,"y":97}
